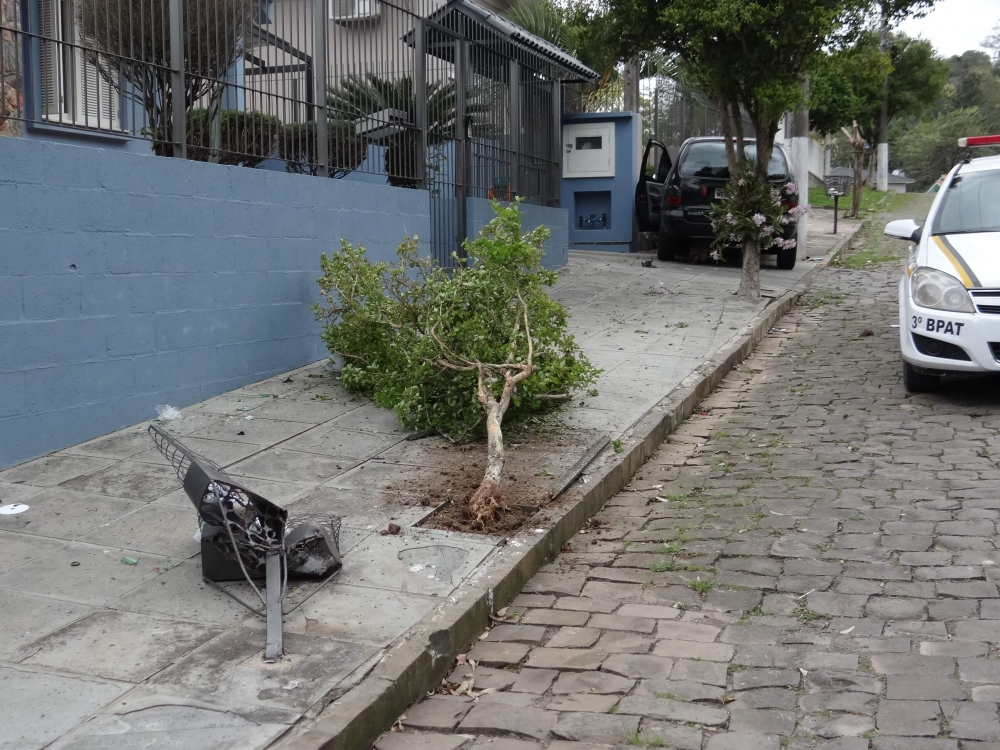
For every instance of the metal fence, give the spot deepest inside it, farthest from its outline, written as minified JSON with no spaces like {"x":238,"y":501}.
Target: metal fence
{"x":671,"y":111}
{"x":446,"y":97}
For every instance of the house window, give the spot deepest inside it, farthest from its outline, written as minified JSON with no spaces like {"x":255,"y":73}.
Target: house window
{"x":354,"y":10}
{"x":76,"y":80}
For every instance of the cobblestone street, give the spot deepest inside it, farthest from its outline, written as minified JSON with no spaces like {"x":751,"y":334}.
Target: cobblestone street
{"x":809,"y":562}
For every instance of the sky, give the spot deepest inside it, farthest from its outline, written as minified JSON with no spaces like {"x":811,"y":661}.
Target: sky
{"x":954,"y":26}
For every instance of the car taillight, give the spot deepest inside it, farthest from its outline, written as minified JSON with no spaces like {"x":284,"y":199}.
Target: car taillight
{"x":673,"y":196}
{"x":790,"y":203}
{"x":704,"y":191}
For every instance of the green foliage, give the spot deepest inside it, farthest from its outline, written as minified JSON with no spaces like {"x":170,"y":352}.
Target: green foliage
{"x":702,"y":587}
{"x":870,"y":198}
{"x":404,"y":327}
{"x":930,"y":149}
{"x":246,"y":138}
{"x":297,"y":146}
{"x":618,"y":445}
{"x":750,"y":211}
{"x":543,"y":19}
{"x":846,"y":85}
{"x":750,"y":57}
{"x":752,"y":54}
{"x":357,"y":96}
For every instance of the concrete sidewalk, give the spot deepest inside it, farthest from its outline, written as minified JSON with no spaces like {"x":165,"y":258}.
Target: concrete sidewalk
{"x":99,"y":653}
{"x":648,"y":342}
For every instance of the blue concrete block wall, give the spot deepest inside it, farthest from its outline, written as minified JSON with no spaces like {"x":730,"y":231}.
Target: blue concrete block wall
{"x":131,"y":280}
{"x":479,"y":212}
{"x":616,"y":193}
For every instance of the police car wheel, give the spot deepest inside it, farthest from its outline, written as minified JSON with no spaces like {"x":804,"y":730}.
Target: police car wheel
{"x":918,"y":382}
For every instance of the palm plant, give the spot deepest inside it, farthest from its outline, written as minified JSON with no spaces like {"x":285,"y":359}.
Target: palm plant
{"x":541,"y":18}
{"x":359,"y":96}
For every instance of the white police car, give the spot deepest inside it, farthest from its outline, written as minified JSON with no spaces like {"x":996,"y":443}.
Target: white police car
{"x":949,"y":297}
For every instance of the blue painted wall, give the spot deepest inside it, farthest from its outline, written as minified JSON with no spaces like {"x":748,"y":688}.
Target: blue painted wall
{"x":590,"y":195}
{"x":479,"y":212}
{"x":129,"y":280}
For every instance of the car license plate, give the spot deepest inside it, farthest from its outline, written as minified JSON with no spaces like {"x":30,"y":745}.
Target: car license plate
{"x":718,"y":193}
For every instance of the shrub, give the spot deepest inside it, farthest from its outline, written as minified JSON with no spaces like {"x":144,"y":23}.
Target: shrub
{"x":297,"y":146}
{"x":455,"y":350}
{"x":247,"y":138}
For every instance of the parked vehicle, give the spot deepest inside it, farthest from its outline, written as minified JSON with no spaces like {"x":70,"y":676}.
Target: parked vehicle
{"x":674,"y":198}
{"x":949,"y":296}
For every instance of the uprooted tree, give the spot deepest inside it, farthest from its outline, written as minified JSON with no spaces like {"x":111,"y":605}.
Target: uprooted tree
{"x":455,"y":350}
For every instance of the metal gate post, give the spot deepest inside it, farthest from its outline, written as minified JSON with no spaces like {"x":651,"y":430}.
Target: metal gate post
{"x":515,"y":128}
{"x":462,"y":144}
{"x":275,"y":648}
{"x":420,"y":100}
{"x":319,"y":60}
{"x":557,"y":144}
{"x":178,"y":105}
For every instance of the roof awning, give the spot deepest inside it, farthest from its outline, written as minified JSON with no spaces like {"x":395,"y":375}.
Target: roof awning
{"x":486,"y":54}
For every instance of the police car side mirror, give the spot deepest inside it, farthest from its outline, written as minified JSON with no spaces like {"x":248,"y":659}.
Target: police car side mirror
{"x":904,"y":229}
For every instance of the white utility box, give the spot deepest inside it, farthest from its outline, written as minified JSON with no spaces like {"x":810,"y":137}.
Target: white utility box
{"x":589,"y":150}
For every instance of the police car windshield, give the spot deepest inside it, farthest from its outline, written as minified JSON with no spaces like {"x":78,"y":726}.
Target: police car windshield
{"x":970,"y":204}
{"x":708,"y":159}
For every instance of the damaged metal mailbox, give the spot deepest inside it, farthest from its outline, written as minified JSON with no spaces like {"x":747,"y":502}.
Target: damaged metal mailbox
{"x":245,"y":536}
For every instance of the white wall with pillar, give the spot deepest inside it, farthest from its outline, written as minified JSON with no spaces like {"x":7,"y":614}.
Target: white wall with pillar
{"x":800,"y":145}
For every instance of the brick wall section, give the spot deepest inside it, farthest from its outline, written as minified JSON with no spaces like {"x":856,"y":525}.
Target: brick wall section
{"x":128,"y":281}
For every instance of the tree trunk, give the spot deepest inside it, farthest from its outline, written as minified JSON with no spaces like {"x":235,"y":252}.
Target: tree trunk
{"x":727,"y":135}
{"x":486,"y":505}
{"x":750,"y":278}
{"x":858,"y":158}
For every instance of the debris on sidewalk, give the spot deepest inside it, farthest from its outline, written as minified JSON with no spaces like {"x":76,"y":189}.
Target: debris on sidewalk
{"x":12,"y":509}
{"x":167,"y":413}
{"x":245,"y":536}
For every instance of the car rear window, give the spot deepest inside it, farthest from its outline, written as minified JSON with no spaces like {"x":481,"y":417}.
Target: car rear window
{"x":970,"y":204}
{"x":708,"y":159}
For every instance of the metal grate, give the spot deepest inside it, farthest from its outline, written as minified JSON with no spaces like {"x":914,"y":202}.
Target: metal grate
{"x":937,"y":348}
{"x":989,"y":309}
{"x":425,"y":94}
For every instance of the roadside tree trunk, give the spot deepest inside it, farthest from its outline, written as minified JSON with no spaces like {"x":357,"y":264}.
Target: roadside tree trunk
{"x":487,"y":505}
{"x":750,"y":278}
{"x":857,"y":162}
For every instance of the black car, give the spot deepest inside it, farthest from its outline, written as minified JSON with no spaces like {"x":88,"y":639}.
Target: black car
{"x":674,"y":198}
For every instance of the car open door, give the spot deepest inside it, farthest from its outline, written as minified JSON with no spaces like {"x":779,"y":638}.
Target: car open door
{"x":649,"y":192}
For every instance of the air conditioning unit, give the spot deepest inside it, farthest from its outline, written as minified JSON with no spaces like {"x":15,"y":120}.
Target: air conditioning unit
{"x":354,"y":10}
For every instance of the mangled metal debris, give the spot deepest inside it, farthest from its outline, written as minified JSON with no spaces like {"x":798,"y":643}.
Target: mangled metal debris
{"x":246,"y":537}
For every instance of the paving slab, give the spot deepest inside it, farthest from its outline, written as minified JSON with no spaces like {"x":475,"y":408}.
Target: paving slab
{"x":229,"y":671}
{"x":98,"y":577}
{"x":141,"y":644}
{"x":37,"y":706}
{"x":64,"y":514}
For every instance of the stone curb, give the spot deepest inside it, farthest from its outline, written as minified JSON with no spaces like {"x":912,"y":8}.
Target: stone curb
{"x":419,"y":660}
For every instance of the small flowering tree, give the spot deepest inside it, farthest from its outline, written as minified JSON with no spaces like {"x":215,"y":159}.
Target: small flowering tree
{"x":752,"y":216}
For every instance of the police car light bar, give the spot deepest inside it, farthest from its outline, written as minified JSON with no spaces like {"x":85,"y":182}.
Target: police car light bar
{"x":979,"y":140}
